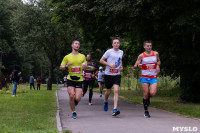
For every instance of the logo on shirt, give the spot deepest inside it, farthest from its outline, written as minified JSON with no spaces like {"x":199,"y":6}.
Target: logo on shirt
{"x":118,"y":63}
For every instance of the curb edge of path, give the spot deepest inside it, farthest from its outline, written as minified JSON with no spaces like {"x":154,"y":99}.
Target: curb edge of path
{"x":59,"y":125}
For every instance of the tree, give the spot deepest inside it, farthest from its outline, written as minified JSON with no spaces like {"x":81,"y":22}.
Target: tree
{"x":5,"y":31}
{"x":173,"y":26}
{"x":35,"y":31}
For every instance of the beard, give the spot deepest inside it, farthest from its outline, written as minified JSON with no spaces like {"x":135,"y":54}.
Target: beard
{"x":76,"y":49}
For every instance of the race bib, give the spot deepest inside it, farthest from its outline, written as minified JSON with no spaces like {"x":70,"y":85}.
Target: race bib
{"x":112,"y":70}
{"x":150,"y":67}
{"x":76,"y":69}
{"x":88,"y":75}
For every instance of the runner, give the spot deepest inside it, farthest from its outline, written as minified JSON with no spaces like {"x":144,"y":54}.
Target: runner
{"x":112,"y":73}
{"x":65,"y":80}
{"x":149,"y":61}
{"x":101,"y":74}
{"x":75,"y":62}
{"x":89,"y":77}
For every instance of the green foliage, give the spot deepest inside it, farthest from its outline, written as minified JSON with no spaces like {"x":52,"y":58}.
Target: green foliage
{"x":167,"y":100}
{"x":5,"y":32}
{"x":171,"y":25}
{"x":40,"y":42}
{"x":130,"y":81}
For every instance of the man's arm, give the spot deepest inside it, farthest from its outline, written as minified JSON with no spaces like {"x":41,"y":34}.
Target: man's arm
{"x":102,"y":61}
{"x":138,"y":61}
{"x":63,"y":67}
{"x":158,"y":62}
{"x":19,"y":73}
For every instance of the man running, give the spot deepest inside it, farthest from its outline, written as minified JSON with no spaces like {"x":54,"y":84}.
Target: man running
{"x":149,"y":61}
{"x":75,"y":62}
{"x":65,"y":80}
{"x":89,"y":77}
{"x":100,"y":78}
{"x":112,"y":73}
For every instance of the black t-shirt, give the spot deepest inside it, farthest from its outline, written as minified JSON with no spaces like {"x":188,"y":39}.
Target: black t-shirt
{"x":16,"y":77}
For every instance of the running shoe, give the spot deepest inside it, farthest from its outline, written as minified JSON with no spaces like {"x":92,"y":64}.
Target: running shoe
{"x":100,"y":95}
{"x":105,"y":106}
{"x":115,"y":112}
{"x":90,"y":104}
{"x":76,"y":103}
{"x":146,"y":114}
{"x":74,"y":115}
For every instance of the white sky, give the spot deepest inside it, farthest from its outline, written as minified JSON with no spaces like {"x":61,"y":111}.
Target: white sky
{"x":25,"y":1}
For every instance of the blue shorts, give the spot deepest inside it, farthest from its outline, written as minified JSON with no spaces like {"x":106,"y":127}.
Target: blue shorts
{"x":148,"y":80}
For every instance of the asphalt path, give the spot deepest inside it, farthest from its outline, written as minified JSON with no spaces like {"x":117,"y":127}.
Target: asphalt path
{"x":92,"y":119}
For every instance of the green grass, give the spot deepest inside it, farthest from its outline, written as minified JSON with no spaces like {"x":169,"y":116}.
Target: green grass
{"x":170,"y":103}
{"x":167,"y":97}
{"x":29,"y":112}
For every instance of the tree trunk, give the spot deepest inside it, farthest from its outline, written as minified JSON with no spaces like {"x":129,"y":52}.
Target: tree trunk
{"x":190,"y":83}
{"x":50,"y":78}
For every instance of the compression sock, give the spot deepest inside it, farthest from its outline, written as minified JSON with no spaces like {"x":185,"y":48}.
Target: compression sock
{"x":145,"y":103}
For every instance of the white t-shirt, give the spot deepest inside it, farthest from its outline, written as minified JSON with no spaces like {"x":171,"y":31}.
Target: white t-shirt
{"x":65,"y":78}
{"x":113,"y":57}
{"x":101,"y":76}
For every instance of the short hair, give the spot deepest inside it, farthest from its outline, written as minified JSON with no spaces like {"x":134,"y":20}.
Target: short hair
{"x":75,"y":41}
{"x":115,"y":38}
{"x":89,"y":55}
{"x":148,"y":41}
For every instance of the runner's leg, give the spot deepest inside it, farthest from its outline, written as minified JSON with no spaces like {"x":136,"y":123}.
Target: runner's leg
{"x":145,"y":87}
{"x":99,"y":83}
{"x":85,"y":87}
{"x":107,"y":93}
{"x":146,"y":100}
{"x":116,"y":95}
{"x":102,"y":86}
{"x":153,"y":89}
{"x":78,"y":94}
{"x":71,"y":92}
{"x":91,"y":84}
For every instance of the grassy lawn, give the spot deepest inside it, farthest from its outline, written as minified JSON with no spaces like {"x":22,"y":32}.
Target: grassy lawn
{"x":169,"y":103}
{"x":167,"y":97}
{"x":30,"y":112}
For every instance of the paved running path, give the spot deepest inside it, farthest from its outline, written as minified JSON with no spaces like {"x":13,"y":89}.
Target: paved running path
{"x":92,"y":119}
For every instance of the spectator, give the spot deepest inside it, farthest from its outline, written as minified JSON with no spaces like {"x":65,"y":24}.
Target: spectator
{"x":31,"y":81}
{"x":15,"y":80}
{"x":38,"y":80}
{"x":65,"y":80}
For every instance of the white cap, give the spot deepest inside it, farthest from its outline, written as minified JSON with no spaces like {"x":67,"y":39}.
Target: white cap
{"x":100,"y":67}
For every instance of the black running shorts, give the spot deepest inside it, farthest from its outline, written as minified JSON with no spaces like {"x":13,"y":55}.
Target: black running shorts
{"x":112,"y":80}
{"x":101,"y":82}
{"x":76,"y":84}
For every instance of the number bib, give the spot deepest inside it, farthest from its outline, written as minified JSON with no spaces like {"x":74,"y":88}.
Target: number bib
{"x":112,"y":70}
{"x":150,"y":67}
{"x":76,"y":69}
{"x":88,"y":75}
